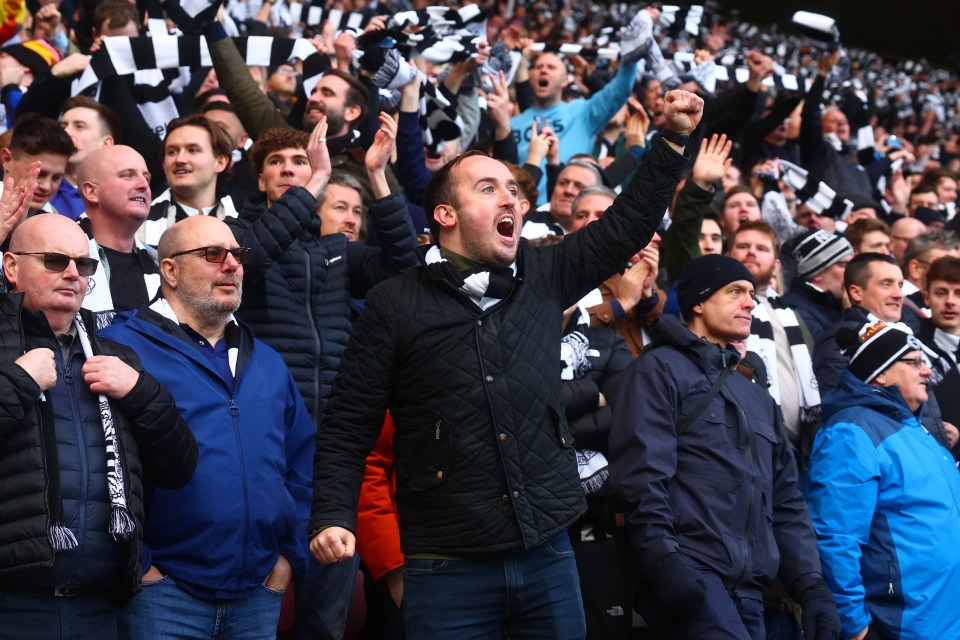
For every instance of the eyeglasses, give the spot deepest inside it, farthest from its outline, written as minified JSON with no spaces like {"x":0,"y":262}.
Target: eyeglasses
{"x":916,"y":363}
{"x":58,"y":262}
{"x":218,"y":255}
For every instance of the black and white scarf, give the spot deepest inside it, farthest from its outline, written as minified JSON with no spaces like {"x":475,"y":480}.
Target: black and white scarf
{"x":485,"y":286}
{"x":122,"y":524}
{"x":762,"y":343}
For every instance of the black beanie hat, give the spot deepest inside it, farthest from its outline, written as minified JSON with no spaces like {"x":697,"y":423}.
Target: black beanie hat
{"x":702,"y":277}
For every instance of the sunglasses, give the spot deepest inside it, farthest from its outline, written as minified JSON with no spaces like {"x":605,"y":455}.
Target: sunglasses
{"x":58,"y":262}
{"x":218,"y":255}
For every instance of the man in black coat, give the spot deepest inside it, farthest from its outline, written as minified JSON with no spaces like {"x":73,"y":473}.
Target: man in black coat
{"x":702,"y":456}
{"x":81,"y":424}
{"x":463,"y":351}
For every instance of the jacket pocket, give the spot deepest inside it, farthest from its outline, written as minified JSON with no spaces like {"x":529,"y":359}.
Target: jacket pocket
{"x":432,"y":462}
{"x":564,"y":437}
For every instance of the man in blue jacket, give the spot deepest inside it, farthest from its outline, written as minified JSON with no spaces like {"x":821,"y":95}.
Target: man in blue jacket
{"x":222,"y":549}
{"x":885,"y":495}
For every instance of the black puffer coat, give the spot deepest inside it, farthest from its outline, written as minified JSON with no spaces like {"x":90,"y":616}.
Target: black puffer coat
{"x":154,"y":440}
{"x":485,"y":460}
{"x":298,"y":286}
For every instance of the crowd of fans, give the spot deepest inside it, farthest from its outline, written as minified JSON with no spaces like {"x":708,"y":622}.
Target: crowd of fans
{"x":302,"y":153}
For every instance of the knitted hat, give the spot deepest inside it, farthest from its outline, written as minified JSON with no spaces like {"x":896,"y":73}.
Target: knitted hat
{"x":874,"y":348}
{"x":702,"y":277}
{"x":36,"y":55}
{"x":818,"y":250}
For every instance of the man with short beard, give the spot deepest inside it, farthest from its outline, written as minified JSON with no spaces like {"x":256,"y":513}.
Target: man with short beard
{"x":223,"y":548}
{"x":343,"y":99}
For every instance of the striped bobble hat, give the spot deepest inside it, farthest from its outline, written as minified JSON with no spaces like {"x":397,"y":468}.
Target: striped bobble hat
{"x":819,"y":250}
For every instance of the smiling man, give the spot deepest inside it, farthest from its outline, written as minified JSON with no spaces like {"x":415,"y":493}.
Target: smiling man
{"x":463,"y":352}
{"x":115,"y":186}
{"x":196,"y":158}
{"x":40,"y":139}
{"x":701,"y":455}
{"x":884,"y":495}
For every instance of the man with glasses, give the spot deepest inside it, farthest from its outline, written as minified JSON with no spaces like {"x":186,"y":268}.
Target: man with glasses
{"x":82,"y":429}
{"x":884,"y":495}
{"x":221,"y":551}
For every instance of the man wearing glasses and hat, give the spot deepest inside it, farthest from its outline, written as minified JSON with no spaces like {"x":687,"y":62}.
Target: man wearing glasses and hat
{"x":885,"y":495}
{"x":220,"y":551}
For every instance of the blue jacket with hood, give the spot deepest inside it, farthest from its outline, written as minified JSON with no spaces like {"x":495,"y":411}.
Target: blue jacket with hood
{"x":885,"y":502}
{"x":249,"y":499}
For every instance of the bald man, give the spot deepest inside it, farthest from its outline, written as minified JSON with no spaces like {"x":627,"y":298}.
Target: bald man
{"x":84,"y":427}
{"x":902,"y":232}
{"x":222,"y":549}
{"x":114,"y":183}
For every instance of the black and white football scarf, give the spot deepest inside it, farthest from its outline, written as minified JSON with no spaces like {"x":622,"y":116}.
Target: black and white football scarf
{"x":762,"y":343}
{"x":485,"y":286}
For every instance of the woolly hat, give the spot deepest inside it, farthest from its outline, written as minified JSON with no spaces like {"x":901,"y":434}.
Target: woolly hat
{"x":36,"y":55}
{"x":818,"y":250}
{"x":874,"y":348}
{"x":702,"y":277}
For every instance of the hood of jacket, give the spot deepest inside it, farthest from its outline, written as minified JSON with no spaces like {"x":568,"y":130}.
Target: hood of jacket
{"x":709,"y":357}
{"x":853,"y":392}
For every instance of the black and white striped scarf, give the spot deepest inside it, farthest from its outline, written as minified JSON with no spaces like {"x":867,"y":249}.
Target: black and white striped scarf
{"x":122,"y":524}
{"x":762,"y":343}
{"x":485,"y":286}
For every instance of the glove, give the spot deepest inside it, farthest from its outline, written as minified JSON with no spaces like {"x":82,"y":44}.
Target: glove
{"x":636,"y":37}
{"x":677,"y":586}
{"x":819,"y":618}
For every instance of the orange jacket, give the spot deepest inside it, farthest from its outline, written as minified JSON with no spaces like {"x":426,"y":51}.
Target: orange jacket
{"x":378,"y":531}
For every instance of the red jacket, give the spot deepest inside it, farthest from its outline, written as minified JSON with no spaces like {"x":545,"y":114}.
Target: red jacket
{"x":378,"y":531}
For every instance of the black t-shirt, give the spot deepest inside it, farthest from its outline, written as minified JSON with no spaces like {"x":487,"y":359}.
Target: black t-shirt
{"x":127,"y":287}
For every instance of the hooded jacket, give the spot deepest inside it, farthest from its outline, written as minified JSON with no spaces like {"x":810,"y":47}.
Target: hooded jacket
{"x":723,"y":493}
{"x":885,"y":501}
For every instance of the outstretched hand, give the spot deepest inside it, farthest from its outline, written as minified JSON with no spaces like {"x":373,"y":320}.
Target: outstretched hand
{"x":712,"y":161}
{"x":380,"y":152}
{"x":319,"y":157}
{"x":16,"y":200}
{"x":682,"y":110}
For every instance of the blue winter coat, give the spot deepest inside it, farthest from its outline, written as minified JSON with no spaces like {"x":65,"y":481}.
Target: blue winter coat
{"x":249,"y":498}
{"x":885,"y":501}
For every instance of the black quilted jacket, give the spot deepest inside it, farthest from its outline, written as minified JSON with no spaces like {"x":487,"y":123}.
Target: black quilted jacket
{"x":298,"y":286}
{"x":485,"y":461}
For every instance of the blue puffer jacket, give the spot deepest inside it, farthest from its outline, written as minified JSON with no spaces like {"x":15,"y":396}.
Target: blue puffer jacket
{"x":885,"y":501}
{"x":249,"y":499}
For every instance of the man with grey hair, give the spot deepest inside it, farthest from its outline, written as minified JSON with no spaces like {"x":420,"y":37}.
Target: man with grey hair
{"x":250,"y":494}
{"x":921,"y":251}
{"x":630,"y":301}
{"x":556,"y":218}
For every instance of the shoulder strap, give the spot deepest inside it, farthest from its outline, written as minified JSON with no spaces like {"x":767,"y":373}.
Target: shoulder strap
{"x":704,"y":401}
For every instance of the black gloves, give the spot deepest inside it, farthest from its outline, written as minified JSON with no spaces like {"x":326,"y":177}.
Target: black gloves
{"x":819,"y":618}
{"x":678,"y":586}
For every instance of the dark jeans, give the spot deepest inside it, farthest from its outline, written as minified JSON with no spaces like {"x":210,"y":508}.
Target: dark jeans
{"x":32,"y":615}
{"x":723,"y":616}
{"x":531,"y":594}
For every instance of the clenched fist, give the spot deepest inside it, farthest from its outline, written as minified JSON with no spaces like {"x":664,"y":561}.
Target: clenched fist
{"x":682,"y":110}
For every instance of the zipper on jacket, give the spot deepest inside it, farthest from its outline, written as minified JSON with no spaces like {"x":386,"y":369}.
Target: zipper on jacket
{"x":890,"y":590}
{"x":84,"y":465}
{"x":235,"y":413}
{"x":437,"y":426}
{"x":316,"y":338}
{"x":752,"y":485}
